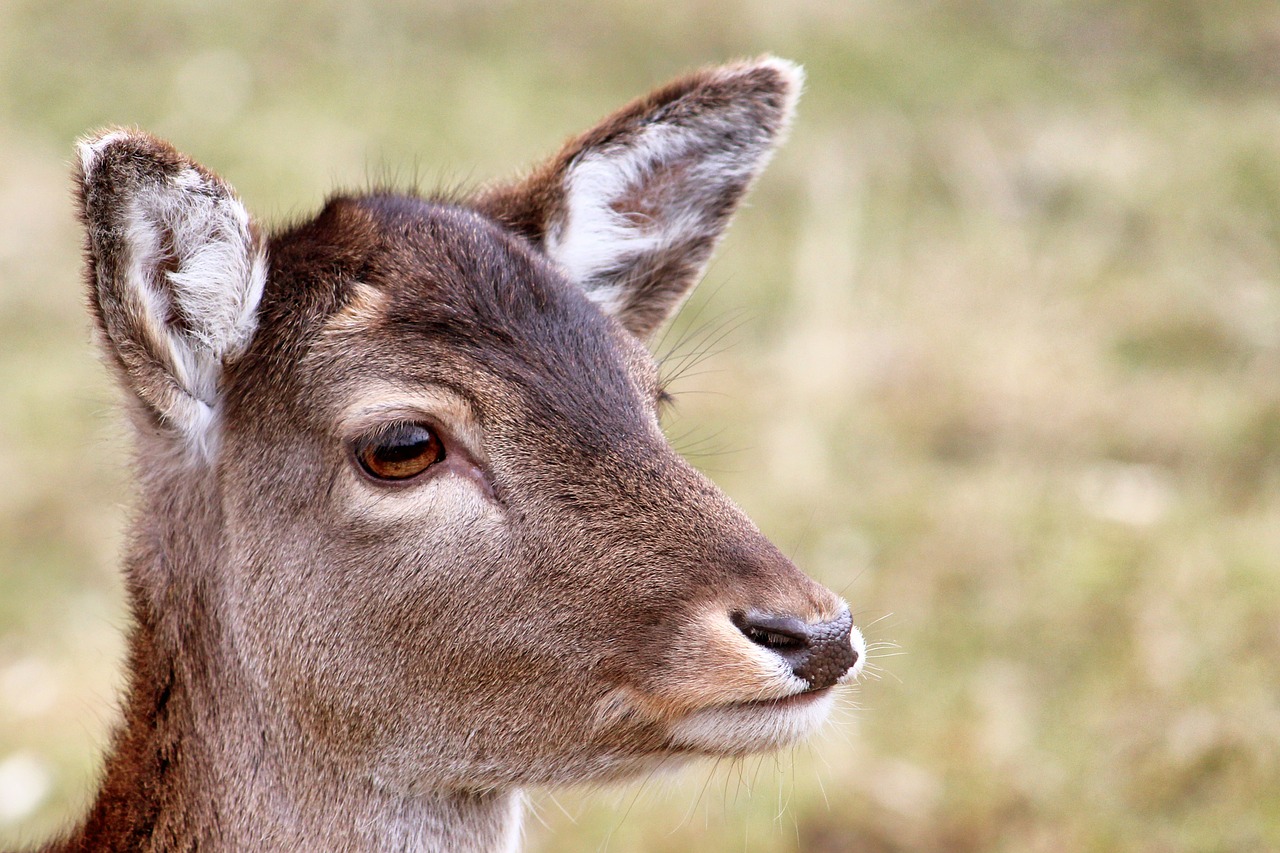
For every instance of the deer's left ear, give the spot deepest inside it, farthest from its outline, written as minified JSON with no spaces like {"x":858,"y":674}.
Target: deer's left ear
{"x":632,"y":209}
{"x":176,"y":270}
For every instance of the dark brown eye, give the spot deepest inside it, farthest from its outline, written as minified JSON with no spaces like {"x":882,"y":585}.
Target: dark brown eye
{"x":399,"y":452}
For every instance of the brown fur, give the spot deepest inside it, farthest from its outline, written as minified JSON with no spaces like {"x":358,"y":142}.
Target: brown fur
{"x":323,"y":662}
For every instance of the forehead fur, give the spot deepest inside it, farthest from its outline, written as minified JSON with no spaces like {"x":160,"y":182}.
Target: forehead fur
{"x":432,"y":291}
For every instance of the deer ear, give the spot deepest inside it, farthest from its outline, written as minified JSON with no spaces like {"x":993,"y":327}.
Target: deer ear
{"x":631,"y":209}
{"x":176,"y":270}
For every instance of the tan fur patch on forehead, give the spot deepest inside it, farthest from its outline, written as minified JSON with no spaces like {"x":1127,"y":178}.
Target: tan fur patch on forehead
{"x":364,"y":310}
{"x":373,"y":402}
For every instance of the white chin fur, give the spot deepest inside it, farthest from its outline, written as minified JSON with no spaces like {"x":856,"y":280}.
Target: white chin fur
{"x":755,"y":727}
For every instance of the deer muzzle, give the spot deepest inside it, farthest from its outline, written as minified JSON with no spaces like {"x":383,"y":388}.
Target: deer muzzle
{"x":821,"y":653}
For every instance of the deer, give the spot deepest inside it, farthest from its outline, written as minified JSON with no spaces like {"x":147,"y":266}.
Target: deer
{"x":409,"y":540}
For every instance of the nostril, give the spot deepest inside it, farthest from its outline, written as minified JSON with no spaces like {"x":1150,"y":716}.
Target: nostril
{"x":780,"y":633}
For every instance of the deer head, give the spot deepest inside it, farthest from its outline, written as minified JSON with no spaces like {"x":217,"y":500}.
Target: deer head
{"x":407,"y":512}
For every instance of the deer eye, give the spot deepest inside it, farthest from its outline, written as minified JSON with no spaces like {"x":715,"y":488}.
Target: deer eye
{"x":400,"y":451}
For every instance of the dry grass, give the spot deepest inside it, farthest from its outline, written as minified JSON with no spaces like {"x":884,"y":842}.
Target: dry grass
{"x":1008,"y":374}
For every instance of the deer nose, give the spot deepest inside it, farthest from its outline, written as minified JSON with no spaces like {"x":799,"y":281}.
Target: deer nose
{"x":820,"y":653}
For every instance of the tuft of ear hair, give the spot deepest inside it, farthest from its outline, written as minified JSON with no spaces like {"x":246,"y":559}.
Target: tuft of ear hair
{"x":176,"y":269}
{"x":632,"y":209}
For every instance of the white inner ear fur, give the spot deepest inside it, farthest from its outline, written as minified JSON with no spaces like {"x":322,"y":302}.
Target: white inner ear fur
{"x":596,"y":239}
{"x":220,"y":270}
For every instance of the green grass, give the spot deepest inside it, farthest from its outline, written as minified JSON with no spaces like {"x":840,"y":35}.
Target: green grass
{"x":1004,"y":368}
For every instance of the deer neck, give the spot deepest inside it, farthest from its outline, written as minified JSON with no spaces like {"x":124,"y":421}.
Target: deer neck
{"x":200,"y":761}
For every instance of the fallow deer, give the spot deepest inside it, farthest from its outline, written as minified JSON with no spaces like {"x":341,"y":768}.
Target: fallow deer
{"x":409,"y":538}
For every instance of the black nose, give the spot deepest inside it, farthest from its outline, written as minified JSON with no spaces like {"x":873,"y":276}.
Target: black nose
{"x":819,"y":653}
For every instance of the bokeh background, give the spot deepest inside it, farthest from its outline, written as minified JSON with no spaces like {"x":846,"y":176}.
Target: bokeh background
{"x":994,"y":350}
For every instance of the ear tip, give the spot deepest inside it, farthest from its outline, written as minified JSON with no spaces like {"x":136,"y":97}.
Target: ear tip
{"x":91,"y":148}
{"x":791,"y":73}
{"x":779,"y":78}
{"x":100,"y":146}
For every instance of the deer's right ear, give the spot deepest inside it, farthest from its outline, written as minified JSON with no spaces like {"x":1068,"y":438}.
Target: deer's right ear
{"x":631,"y":209}
{"x":176,"y":270}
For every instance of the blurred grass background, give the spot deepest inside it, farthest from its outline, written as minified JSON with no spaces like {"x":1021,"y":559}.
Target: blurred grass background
{"x":1001,"y":362}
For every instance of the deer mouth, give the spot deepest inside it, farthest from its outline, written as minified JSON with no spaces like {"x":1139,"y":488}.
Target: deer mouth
{"x":795,"y":700}
{"x":756,"y":725}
